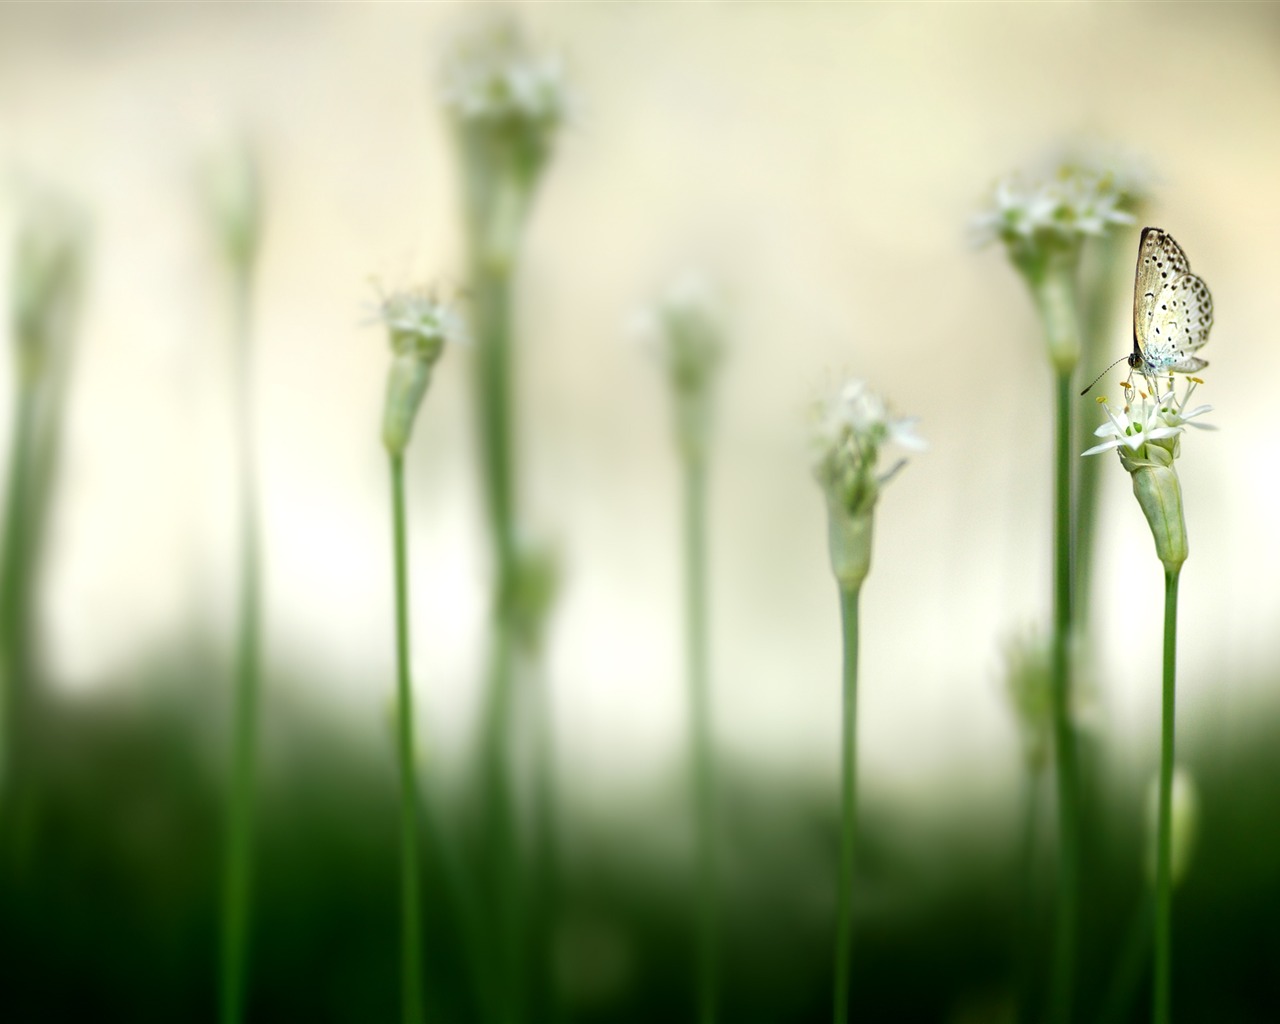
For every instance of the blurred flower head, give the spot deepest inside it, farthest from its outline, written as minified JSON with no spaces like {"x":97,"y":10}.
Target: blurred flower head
{"x":506,"y":100}
{"x":419,"y":323}
{"x":849,"y":428}
{"x":233,"y":189}
{"x":1040,"y":217}
{"x":418,"y":327}
{"x":1127,"y":173}
{"x":493,"y":76}
{"x":684,"y":329}
{"x":48,"y":268}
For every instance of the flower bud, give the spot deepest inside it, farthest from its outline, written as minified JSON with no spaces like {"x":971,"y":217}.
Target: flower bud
{"x":1158,"y":492}
{"x":849,"y":541}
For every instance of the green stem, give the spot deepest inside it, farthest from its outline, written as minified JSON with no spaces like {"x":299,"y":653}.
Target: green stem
{"x":410,"y":920}
{"x":1024,"y":952}
{"x":848,"y":800}
{"x":238,"y":859}
{"x":695,"y":558}
{"x":1098,"y":295}
{"x":1129,"y":966}
{"x":1164,"y":881}
{"x":1066,"y":910}
{"x":15,"y":586}
{"x":547,"y":1005}
{"x":494,"y":405}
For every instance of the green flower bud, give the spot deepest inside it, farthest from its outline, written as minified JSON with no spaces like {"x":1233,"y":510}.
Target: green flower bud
{"x":1160,"y":496}
{"x":849,"y":541}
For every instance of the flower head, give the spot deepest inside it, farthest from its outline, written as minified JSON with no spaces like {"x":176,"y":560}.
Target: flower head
{"x":848,"y":431}
{"x":418,"y":326}
{"x":492,"y":77}
{"x":1148,"y":438}
{"x":419,"y":323}
{"x":1043,"y":217}
{"x":48,"y":271}
{"x":1150,"y":432}
{"x":507,"y":104}
{"x":233,"y":186}
{"x":684,"y":329}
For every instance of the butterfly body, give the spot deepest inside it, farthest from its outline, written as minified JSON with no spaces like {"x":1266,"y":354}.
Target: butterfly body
{"x":1172,"y":309}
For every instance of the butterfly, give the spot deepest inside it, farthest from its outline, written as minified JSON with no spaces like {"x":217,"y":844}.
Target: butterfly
{"x":1172,"y":309}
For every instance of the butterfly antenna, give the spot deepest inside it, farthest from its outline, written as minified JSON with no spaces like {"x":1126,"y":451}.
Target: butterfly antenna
{"x":1103,"y":374}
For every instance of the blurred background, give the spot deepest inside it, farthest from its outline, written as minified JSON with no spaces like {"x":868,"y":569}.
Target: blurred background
{"x":822,"y":163}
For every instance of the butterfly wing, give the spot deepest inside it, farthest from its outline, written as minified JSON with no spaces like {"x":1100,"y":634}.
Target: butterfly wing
{"x":1178,"y":326}
{"x":1160,"y":262}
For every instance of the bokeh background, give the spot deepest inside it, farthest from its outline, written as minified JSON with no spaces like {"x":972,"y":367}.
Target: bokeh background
{"x":823,"y":163}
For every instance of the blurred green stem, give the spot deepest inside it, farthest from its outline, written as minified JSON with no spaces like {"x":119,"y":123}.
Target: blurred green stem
{"x":1064,"y":740}
{"x":1128,"y":968}
{"x":15,"y":603}
{"x":848,"y":800}
{"x":695,"y":559}
{"x":548,"y":1006}
{"x":491,"y":286}
{"x":1164,"y":882}
{"x":1024,"y":952}
{"x":410,"y":920}
{"x":1098,"y":299}
{"x":238,"y":862}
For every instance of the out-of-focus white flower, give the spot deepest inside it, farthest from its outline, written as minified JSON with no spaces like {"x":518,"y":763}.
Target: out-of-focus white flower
{"x":418,"y":327}
{"x":491,"y":75}
{"x":1063,"y":208}
{"x":849,"y":429}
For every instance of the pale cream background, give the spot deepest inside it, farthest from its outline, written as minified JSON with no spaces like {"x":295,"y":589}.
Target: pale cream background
{"x":822,"y":161}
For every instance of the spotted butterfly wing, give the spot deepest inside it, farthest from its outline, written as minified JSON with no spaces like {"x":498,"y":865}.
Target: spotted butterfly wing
{"x":1172,"y":309}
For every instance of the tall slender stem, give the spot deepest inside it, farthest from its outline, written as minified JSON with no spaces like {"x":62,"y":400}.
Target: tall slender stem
{"x":494,"y":406}
{"x":848,"y":800}
{"x":1164,"y":881}
{"x":1025,"y":951}
{"x":15,"y":588}
{"x":410,"y":915}
{"x":238,"y":861}
{"x":1065,"y":919}
{"x":695,"y":559}
{"x":1098,"y":301}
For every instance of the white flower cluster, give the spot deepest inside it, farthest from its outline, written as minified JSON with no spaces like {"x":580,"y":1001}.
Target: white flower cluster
{"x":420,"y":324}
{"x":849,"y":429}
{"x":684,"y":330}
{"x":1067,"y":206}
{"x":1149,"y":431}
{"x":492,"y":77}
